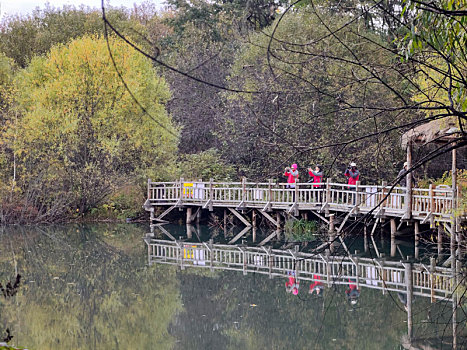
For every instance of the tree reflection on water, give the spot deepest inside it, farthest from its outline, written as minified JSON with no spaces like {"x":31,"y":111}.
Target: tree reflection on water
{"x":91,"y":287}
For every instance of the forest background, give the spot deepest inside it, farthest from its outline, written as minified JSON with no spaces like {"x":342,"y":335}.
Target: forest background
{"x":219,"y":89}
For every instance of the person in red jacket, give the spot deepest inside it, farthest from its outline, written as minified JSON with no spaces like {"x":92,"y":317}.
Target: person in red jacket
{"x":291,"y":286}
{"x":316,"y":286}
{"x":292,"y":175}
{"x":352,"y":173}
{"x":316,"y":175}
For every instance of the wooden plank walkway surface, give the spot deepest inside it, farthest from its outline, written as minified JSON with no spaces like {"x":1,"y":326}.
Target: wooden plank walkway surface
{"x":427,"y":205}
{"x":435,"y":282}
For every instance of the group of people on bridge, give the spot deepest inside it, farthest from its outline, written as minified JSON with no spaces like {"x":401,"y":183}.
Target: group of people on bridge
{"x":316,"y":175}
{"x":352,"y":174}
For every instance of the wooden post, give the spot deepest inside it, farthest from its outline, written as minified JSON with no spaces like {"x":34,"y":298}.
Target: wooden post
{"x":181,"y":189}
{"x":189,"y":231}
{"x":417,"y":240}
{"x":440,"y":242}
{"x":432,"y":279}
{"x":149,"y":188}
{"x":331,"y":233}
{"x":189,"y":215}
{"x":211,"y":255}
{"x":432,"y":199}
{"x":452,"y":247}
{"x":409,"y":285}
{"x":278,"y":220}
{"x":393,"y":237}
{"x":408,"y":212}
{"x":365,"y":239}
{"x":454,"y":189}
{"x":243,"y":188}
{"x":211,"y":194}
{"x":253,"y":218}
{"x":270,"y":191}
{"x":271,"y":261}
{"x":254,"y":234}
{"x":225,"y":219}
{"x":383,"y":194}
{"x":328,"y":195}
{"x":296,"y":194}
{"x":211,"y":189}
{"x":357,"y":197}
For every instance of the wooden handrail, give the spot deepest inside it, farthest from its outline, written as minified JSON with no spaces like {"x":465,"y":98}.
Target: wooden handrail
{"x":338,"y":196}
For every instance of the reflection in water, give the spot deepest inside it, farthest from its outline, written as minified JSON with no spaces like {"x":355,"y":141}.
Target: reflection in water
{"x":85,"y":287}
{"x":399,"y":282}
{"x":91,"y":287}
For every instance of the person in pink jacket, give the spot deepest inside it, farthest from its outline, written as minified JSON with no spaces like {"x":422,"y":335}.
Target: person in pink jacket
{"x":292,"y":175}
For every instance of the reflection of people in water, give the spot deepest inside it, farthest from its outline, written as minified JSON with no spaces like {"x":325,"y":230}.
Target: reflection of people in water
{"x":317,"y":286}
{"x":352,"y":293}
{"x":403,"y":299}
{"x":291,"y":286}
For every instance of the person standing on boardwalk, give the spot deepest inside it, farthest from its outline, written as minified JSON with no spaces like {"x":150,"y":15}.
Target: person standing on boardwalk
{"x":403,"y":179}
{"x":316,"y":175}
{"x":292,"y":175}
{"x":352,"y":173}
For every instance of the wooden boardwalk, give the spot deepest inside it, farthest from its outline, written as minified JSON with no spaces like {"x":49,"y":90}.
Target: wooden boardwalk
{"x":435,"y":282}
{"x":424,"y":205}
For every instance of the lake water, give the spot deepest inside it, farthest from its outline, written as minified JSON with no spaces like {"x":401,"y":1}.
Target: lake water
{"x":93,"y":287}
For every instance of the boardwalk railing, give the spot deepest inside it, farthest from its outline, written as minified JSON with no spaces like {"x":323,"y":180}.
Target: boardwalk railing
{"x":434,"y":282}
{"x":433,"y":203}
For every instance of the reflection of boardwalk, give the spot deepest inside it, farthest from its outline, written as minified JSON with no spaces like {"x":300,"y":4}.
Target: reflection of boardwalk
{"x":435,"y":282}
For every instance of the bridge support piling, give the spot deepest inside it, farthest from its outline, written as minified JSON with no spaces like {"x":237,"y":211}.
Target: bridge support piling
{"x":409,"y":285}
{"x":381,"y":235}
{"x":189,"y":218}
{"x":417,"y":240}
{"x":440,"y":242}
{"x":331,"y":233}
{"x":278,"y":220}
{"x":225,"y":220}
{"x":393,"y":237}
{"x":365,"y":239}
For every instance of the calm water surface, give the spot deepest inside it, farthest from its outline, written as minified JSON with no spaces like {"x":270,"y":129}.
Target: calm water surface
{"x":90,"y":287}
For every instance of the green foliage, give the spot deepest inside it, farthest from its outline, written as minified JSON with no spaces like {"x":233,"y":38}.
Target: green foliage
{"x":437,"y":42}
{"x":205,"y":165}
{"x":80,"y":132}
{"x":124,"y":202}
{"x":301,"y":230}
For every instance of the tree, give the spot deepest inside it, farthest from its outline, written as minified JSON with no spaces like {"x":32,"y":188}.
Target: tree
{"x":80,"y":130}
{"x":313,"y":89}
